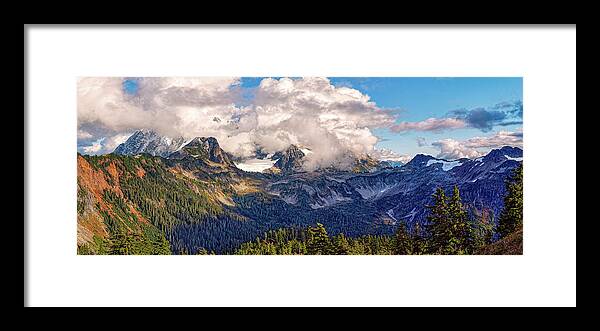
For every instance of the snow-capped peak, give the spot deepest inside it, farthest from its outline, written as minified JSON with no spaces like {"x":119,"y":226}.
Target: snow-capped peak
{"x":148,"y":141}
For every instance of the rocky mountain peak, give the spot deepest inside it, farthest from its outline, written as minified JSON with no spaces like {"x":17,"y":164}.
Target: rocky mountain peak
{"x":150,"y":142}
{"x":289,"y":160}
{"x":365,"y":164}
{"x":203,"y":148}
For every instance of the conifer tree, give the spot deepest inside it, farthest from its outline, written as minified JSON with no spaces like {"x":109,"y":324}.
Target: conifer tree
{"x":511,"y":217}
{"x":341,"y":245}
{"x":318,"y":241}
{"x":461,"y":236}
{"x":163,"y":247}
{"x":419,"y":240}
{"x":119,"y":244}
{"x":438,"y":226}
{"x":403,"y":240}
{"x":449,"y":225}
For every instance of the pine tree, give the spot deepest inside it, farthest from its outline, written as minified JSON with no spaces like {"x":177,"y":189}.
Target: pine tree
{"x":341,"y":245}
{"x":438,"y":226}
{"x":449,"y":225}
{"x":511,"y":217}
{"x":461,"y":232}
{"x":419,"y":240}
{"x":403,"y":241}
{"x":165,"y":246}
{"x":118,"y":244}
{"x":318,"y":241}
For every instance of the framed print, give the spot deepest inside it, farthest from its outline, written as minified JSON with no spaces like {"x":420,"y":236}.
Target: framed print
{"x":300,"y":166}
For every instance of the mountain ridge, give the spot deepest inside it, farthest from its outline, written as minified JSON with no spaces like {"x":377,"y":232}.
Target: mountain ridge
{"x":213,"y":205}
{"x":149,"y":141}
{"x":288,"y":161}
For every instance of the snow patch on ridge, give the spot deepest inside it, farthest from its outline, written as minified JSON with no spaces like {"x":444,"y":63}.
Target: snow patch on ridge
{"x":514,"y":158}
{"x":306,"y":151}
{"x":446,"y":165}
{"x":183,"y":144}
{"x":256,"y":165}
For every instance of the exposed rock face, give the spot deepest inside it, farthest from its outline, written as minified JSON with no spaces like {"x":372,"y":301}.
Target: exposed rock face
{"x":203,"y":148}
{"x":289,"y":161}
{"x":366,"y":164}
{"x":150,"y":142}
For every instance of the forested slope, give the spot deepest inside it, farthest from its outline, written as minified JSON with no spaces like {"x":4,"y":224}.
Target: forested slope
{"x":146,"y":204}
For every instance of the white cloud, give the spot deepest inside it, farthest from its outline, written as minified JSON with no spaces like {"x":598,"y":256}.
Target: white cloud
{"x":389,"y":155}
{"x":477,"y":146}
{"x":94,"y":148}
{"x":171,"y":106}
{"x":451,"y":149}
{"x":501,"y":138}
{"x":311,"y":112}
{"x":111,"y":143}
{"x":81,"y":134}
{"x":430,"y":124}
{"x":332,"y":121}
{"x":105,"y":145}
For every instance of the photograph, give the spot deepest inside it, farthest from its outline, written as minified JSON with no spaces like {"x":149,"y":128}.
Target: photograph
{"x":299,"y":165}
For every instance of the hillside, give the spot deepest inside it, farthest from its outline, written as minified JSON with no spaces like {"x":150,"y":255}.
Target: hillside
{"x":140,"y":197}
{"x":197,"y":200}
{"x":511,"y":245}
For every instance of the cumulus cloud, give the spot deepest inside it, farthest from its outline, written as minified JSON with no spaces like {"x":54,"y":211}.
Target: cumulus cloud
{"x":332,"y":121}
{"x":502,"y":114}
{"x":477,"y":146}
{"x":112,"y":142}
{"x":385,"y":154}
{"x":484,"y":119}
{"x":82,"y":134}
{"x":481,"y":118}
{"x":311,"y":112}
{"x":451,"y":149}
{"x":500,"y":139}
{"x":421,"y":142}
{"x":94,"y":148}
{"x":103,"y":145}
{"x":430,"y":124}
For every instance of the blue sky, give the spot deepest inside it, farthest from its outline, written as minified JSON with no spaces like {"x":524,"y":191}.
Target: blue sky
{"x":130,"y":86}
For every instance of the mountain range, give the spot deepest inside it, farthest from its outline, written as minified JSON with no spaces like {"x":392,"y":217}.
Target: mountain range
{"x":284,"y":162}
{"x":196,"y":196}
